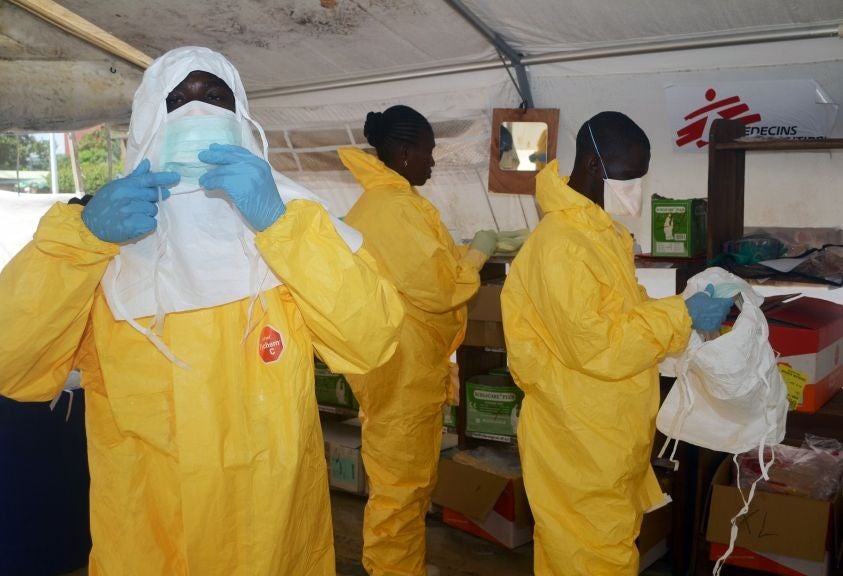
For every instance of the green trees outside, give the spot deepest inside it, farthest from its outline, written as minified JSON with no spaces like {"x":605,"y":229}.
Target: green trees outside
{"x":34,"y":154}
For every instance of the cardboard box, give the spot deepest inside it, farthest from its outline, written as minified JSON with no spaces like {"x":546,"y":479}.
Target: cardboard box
{"x":485,"y":324}
{"x":656,"y":527}
{"x":345,"y":462}
{"x":785,"y":534}
{"x":679,"y":227}
{"x":485,"y":504}
{"x":770,"y":563}
{"x":333,"y":389}
{"x":486,"y":304}
{"x":484,"y":334}
{"x":808,"y":335}
{"x":493,"y":405}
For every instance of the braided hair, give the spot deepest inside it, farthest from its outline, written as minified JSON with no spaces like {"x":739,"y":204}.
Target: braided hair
{"x":396,"y":125}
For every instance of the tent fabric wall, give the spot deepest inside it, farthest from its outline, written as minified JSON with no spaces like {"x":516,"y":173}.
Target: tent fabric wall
{"x":292,"y":43}
{"x":632,"y":84}
{"x":459,"y":184}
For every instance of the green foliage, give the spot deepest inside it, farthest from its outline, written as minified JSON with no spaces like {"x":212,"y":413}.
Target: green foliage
{"x":93,"y":159}
{"x":34,"y":154}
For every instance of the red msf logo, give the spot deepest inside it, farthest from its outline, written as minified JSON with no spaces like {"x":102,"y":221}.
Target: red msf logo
{"x":729,"y":108}
{"x":270,"y":345}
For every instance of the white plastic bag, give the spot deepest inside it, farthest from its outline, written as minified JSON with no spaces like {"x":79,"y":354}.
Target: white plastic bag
{"x":728,"y":395}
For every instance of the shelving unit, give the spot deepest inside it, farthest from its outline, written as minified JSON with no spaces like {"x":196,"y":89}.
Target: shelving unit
{"x":728,"y":146}
{"x":474,"y":360}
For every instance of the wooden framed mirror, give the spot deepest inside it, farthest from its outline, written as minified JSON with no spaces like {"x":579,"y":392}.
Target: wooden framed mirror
{"x":523,"y":142}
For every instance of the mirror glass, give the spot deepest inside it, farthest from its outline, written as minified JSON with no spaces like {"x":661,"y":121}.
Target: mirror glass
{"x":523,"y":146}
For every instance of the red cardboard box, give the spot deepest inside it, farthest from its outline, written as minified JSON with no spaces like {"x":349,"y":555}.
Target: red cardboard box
{"x":485,"y":504}
{"x":770,"y":563}
{"x":781,"y":533}
{"x":808,"y":335}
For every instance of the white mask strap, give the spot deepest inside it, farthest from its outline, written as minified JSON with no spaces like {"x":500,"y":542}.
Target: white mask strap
{"x":264,"y":142}
{"x":254,"y":266}
{"x":147,"y":332}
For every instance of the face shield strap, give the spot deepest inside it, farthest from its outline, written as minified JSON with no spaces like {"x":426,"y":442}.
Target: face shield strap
{"x":148,"y":333}
{"x":264,"y":143}
{"x":257,"y":282}
{"x":597,"y":150}
{"x":161,"y":245}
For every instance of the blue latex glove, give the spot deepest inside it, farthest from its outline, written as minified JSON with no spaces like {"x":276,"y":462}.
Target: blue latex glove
{"x":125,"y":208}
{"x":707,"y":313}
{"x":248,"y":181}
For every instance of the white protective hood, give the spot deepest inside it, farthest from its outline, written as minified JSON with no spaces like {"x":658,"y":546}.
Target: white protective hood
{"x":149,"y":109}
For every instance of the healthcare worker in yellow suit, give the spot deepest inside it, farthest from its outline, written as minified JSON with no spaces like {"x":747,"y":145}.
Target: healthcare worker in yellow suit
{"x":401,"y":402}
{"x":204,"y":443}
{"x":584,"y":342}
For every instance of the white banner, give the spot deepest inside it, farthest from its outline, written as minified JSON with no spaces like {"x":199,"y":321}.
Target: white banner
{"x":797,"y":109}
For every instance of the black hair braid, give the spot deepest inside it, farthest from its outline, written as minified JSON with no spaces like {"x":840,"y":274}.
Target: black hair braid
{"x":396,"y":125}
{"x":373,"y":128}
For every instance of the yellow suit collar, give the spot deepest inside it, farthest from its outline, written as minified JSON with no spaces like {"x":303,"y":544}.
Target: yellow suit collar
{"x":554,"y":195}
{"x":370,"y":171}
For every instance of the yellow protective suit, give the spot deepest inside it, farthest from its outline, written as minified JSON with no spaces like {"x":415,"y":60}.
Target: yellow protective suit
{"x":584,"y":341}
{"x":402,"y":401}
{"x":218,"y":469}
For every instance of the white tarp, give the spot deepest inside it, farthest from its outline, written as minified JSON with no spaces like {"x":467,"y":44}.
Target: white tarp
{"x":295,"y":42}
{"x":19,"y":216}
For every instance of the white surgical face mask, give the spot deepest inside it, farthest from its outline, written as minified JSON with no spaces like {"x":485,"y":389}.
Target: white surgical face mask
{"x":623,"y":197}
{"x":202,"y":253}
{"x":620,"y":197}
{"x":188,"y":131}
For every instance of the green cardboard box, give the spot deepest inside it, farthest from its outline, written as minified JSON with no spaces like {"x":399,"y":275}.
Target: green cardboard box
{"x":333,"y":389}
{"x":493,"y":405}
{"x":679,"y":227}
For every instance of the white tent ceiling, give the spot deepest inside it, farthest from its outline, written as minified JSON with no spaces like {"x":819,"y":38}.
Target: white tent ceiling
{"x":52,"y":80}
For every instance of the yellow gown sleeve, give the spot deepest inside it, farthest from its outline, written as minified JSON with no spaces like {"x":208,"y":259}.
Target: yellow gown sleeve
{"x":353,"y":313}
{"x":609,"y":345}
{"x":46,"y":293}
{"x":430,"y":274}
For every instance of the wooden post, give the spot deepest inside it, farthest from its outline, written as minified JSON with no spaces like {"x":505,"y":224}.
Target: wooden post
{"x":17,"y":162}
{"x":109,"y":152}
{"x":70,"y":22}
{"x":725,"y":186}
{"x":78,"y":184}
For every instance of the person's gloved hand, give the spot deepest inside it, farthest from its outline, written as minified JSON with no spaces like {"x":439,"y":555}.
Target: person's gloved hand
{"x":248,"y":181}
{"x":125,"y":208}
{"x":511,"y":242}
{"x":707,"y":313}
{"x":485,"y":241}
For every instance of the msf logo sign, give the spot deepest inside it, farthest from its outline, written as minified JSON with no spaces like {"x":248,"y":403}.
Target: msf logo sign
{"x":270,"y":345}
{"x":699,"y":120}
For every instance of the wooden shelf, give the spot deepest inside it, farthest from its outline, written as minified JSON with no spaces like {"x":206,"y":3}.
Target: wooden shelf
{"x":728,"y":145}
{"x":324,"y":408}
{"x":779,"y":145}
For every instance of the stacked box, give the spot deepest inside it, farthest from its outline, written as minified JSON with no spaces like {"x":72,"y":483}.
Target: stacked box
{"x":493,"y":405}
{"x":679,"y":227}
{"x":781,"y":534}
{"x":342,"y":452}
{"x":333,"y":389}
